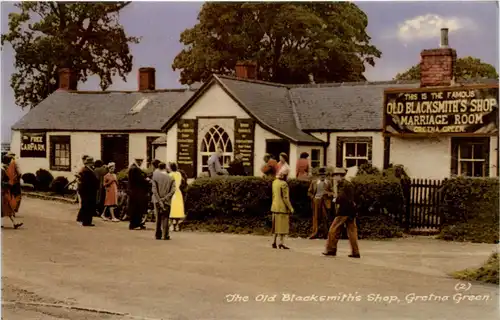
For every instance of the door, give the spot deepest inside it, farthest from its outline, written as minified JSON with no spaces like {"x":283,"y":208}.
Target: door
{"x":277,"y":146}
{"x":114,"y":148}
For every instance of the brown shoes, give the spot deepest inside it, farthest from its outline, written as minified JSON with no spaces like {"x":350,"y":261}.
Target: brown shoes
{"x":330,"y":253}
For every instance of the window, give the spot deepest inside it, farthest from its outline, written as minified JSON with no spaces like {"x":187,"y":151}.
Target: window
{"x":470,"y":157}
{"x":150,"y":150}
{"x":353,"y":151}
{"x":315,"y":158}
{"x":215,"y":138}
{"x":60,"y":153}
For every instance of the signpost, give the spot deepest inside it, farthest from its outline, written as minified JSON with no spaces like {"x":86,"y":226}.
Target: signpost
{"x":33,"y":145}
{"x":186,"y":146}
{"x":468,"y":110}
{"x":244,"y":136}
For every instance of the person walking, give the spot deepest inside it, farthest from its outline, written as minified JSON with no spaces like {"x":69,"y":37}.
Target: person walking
{"x":346,"y":213}
{"x":320,"y":192}
{"x":100,"y":171}
{"x":236,"y":167}
{"x":281,"y":208}
{"x":164,"y":187}
{"x":7,"y":209}
{"x":214,"y":165}
{"x":110,"y":183}
{"x":87,"y":188}
{"x":14,"y":174}
{"x":138,"y":196}
{"x":269,"y":169}
{"x":177,"y":210}
{"x":302,"y":168}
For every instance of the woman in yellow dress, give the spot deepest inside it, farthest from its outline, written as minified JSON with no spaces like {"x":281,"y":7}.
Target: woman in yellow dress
{"x":177,"y":206}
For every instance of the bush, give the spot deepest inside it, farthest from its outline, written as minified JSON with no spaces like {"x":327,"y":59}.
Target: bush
{"x":470,"y":210}
{"x":58,"y":185}
{"x":29,"y":178}
{"x":487,"y":273}
{"x":227,"y":204}
{"x":122,"y":175}
{"x":43,"y":180}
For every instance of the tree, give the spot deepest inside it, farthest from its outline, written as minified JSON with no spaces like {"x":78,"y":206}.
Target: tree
{"x":288,"y":41}
{"x":465,"y":68}
{"x":83,"y":36}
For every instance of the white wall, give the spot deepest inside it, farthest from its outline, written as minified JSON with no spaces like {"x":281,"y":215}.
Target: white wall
{"x":377,"y":146}
{"x":161,"y":153}
{"x":430,"y":158}
{"x":82,"y":143}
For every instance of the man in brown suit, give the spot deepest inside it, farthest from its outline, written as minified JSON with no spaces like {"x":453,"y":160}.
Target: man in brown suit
{"x":321,"y":193}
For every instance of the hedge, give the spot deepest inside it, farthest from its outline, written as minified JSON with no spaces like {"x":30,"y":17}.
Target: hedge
{"x":242,"y":205}
{"x":471,"y":207}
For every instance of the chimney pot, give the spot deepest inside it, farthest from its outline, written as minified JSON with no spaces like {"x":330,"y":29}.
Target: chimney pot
{"x":246,"y":69}
{"x":444,"y":38}
{"x":146,"y":79}
{"x":67,"y":79}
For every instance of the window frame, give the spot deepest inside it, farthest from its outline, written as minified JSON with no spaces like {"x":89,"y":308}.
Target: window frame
{"x":460,"y":142}
{"x":342,"y":149}
{"x":226,"y":157}
{"x":61,"y":140}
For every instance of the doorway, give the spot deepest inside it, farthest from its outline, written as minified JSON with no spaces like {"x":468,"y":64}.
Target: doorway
{"x":277,"y":146}
{"x":114,"y":148}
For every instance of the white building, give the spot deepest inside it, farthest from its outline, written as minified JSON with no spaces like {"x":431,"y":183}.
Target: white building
{"x":340,"y":125}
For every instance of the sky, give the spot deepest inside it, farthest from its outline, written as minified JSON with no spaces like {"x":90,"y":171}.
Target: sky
{"x":401,"y":30}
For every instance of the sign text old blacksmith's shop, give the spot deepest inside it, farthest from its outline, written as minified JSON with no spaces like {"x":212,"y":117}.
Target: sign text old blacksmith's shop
{"x":453,"y":110}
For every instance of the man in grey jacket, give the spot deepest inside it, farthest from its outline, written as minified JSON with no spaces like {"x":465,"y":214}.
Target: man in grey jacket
{"x":163,"y":191}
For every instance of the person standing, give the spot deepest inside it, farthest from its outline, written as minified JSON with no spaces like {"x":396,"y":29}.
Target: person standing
{"x":214,"y":166}
{"x":89,"y":184}
{"x":320,"y":192}
{"x":302,"y":170}
{"x":7,"y":209}
{"x":77,"y":178}
{"x":111,"y":193}
{"x":177,"y":210}
{"x":236,"y":167}
{"x":269,"y":169}
{"x":100,"y":172}
{"x":281,"y":208}
{"x":164,"y":187}
{"x":138,"y":193}
{"x":346,"y":213}
{"x":283,"y":164}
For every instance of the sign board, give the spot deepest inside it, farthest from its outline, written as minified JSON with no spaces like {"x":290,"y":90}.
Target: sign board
{"x":187,"y":130}
{"x":244,"y":137}
{"x":453,"y":110}
{"x":33,"y":145}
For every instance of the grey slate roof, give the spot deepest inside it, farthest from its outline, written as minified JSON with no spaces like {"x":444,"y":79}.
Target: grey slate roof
{"x":103,"y":111}
{"x":270,"y":104}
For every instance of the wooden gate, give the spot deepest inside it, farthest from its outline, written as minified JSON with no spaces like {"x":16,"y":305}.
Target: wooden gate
{"x":423,"y":210}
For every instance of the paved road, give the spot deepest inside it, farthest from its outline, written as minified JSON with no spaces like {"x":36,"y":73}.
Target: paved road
{"x":52,"y":266}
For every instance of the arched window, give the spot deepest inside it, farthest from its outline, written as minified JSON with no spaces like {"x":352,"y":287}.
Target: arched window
{"x":215,"y":138}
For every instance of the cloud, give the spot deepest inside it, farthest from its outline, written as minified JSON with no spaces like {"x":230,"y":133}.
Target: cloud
{"x":428,"y":26}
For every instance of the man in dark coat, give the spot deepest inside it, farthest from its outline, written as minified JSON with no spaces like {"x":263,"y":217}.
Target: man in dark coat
{"x":87,"y":188}
{"x":138,"y":191}
{"x":236,"y":167}
{"x":100,"y":171}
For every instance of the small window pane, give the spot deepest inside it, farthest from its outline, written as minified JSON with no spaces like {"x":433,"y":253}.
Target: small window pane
{"x":350,"y":149}
{"x":362,"y":149}
{"x":478,"y":151}
{"x":466,"y":168}
{"x":315,"y":154}
{"x":466,"y":151}
{"x":362,"y":161}
{"x":350,"y":163}
{"x":204,"y":160}
{"x":479,"y":168}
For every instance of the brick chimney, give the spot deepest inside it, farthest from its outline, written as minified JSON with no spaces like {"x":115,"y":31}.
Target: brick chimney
{"x":146,"y":79}
{"x":438,"y":65}
{"x":67,"y":79}
{"x":246,"y":70}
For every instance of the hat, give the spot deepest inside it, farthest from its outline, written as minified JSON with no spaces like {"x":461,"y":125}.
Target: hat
{"x":322,"y":171}
{"x":111,"y":164}
{"x":341,"y":171}
{"x":89,"y":160}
